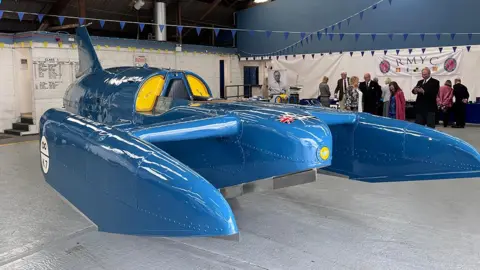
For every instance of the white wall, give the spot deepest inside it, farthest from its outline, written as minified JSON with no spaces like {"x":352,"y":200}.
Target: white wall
{"x":235,"y":71}
{"x":52,"y":68}
{"x":23,"y":79}
{"x":8,"y":104}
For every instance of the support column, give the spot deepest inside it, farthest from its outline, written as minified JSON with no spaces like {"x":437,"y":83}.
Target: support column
{"x":179,"y":20}
{"x":213,"y":36}
{"x":82,"y":10}
{"x":160,"y":18}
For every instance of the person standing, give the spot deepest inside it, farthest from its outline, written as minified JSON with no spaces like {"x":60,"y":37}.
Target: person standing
{"x":353,"y":96}
{"x":386,"y":97}
{"x":372,"y":92}
{"x":397,"y":102}
{"x":426,"y":102}
{"x":461,"y":94}
{"x":445,"y":101}
{"x":380,"y":103}
{"x":342,"y":85}
{"x":324,"y":95}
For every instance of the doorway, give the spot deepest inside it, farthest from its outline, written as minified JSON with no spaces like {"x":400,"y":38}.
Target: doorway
{"x":250,"y":77}
{"x":222,"y":78}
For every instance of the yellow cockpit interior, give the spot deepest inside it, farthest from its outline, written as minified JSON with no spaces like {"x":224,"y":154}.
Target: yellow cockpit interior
{"x":199,"y":89}
{"x":149,"y":92}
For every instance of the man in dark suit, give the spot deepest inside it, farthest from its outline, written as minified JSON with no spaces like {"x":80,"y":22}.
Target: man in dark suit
{"x":372,"y":93}
{"x":461,"y":94}
{"x":341,"y":89}
{"x":426,"y":103}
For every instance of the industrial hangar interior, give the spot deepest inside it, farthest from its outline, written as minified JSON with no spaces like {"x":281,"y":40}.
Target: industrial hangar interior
{"x":239,"y":134}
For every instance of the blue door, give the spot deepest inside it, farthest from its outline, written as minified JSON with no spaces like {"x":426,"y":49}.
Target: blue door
{"x":250,"y":77}
{"x":222,"y":79}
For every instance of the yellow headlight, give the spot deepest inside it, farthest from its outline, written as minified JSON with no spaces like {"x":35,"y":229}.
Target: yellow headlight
{"x":324,"y":153}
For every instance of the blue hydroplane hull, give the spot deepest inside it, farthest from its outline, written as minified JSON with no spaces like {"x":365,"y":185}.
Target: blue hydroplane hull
{"x":147,"y":151}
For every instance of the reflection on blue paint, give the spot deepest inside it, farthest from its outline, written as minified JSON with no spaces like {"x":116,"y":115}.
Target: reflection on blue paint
{"x":207,"y":127}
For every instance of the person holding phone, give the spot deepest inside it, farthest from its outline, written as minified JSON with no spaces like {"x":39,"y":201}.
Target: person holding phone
{"x":426,"y":102}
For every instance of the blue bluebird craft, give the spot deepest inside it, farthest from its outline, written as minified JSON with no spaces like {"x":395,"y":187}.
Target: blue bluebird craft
{"x":149,"y":151}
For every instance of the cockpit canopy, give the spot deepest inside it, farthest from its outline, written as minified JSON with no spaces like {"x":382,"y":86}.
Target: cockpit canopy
{"x":175,"y":85}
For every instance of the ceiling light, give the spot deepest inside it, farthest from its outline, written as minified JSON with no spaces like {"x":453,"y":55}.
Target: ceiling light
{"x":260,"y":1}
{"x":138,"y":4}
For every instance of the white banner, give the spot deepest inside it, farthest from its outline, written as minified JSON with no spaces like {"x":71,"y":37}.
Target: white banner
{"x":411,"y":64}
{"x":308,"y":73}
{"x":404,"y":68}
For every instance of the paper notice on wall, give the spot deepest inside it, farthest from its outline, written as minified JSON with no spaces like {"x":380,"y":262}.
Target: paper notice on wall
{"x":51,"y":78}
{"x":48,"y":68}
{"x":52,"y":73}
{"x":140,"y":60}
{"x":23,"y":64}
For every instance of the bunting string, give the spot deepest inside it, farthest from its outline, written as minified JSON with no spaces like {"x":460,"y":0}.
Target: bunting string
{"x":180,"y":27}
{"x":102,"y":22}
{"x":373,"y":36}
{"x":332,"y":26}
{"x":306,"y":37}
{"x":362,"y":53}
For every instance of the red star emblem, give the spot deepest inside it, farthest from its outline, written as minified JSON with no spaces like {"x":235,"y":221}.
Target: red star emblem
{"x":286,"y":119}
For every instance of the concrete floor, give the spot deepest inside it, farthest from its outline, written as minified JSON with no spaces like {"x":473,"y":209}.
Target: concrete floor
{"x":334,"y":223}
{"x":9,"y":139}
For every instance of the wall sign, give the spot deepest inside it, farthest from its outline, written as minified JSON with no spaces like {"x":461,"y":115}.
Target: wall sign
{"x":140,"y":60}
{"x":23,"y":64}
{"x":53,"y":73}
{"x":440,"y":63}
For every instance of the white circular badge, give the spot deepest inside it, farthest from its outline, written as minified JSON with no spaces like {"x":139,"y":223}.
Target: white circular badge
{"x":44,"y":158}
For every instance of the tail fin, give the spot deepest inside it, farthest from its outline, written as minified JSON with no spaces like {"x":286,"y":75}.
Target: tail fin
{"x":88,"y":59}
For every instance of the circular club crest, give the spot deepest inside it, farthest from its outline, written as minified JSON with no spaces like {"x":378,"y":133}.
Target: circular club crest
{"x":450,"y":64}
{"x":384,"y":66}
